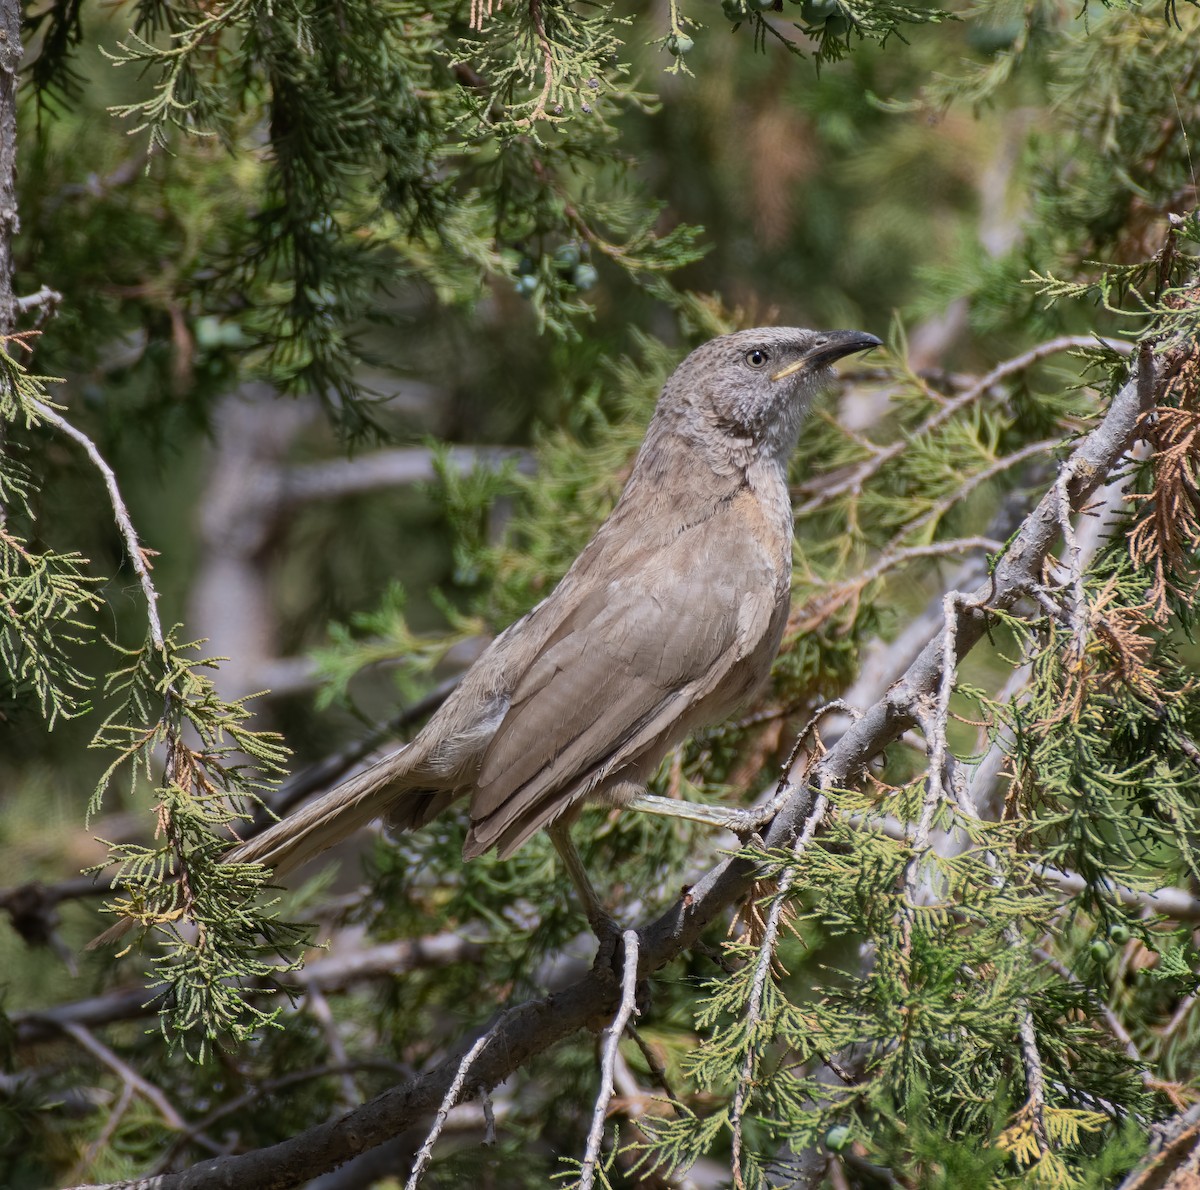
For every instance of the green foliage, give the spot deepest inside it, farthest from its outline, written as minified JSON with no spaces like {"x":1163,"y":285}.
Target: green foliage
{"x":165,"y":674}
{"x":386,"y":162}
{"x":217,"y":938}
{"x":44,"y":594}
{"x":383,"y":637}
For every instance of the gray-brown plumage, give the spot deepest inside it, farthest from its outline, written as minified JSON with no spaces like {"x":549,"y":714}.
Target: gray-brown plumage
{"x":667,"y":621}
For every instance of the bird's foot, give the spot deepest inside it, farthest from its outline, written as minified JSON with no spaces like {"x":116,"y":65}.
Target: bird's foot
{"x":613,"y":954}
{"x":643,"y":997}
{"x":750,"y":825}
{"x":742,"y":823}
{"x":608,"y":934}
{"x":746,"y":823}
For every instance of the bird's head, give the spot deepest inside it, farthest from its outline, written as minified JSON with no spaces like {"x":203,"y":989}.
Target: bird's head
{"x":750,"y":390}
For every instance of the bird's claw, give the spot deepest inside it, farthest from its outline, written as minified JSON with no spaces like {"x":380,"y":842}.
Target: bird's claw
{"x":745,"y":823}
{"x":608,"y":934}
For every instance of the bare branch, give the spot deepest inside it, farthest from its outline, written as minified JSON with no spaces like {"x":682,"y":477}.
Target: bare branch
{"x":323,"y":1014}
{"x":130,"y":1077}
{"x":1110,"y":1018}
{"x":45,"y":301}
{"x":835,"y":594}
{"x":1078,"y":598}
{"x":1035,"y":1079}
{"x":939,"y":508}
{"x":137,"y":555}
{"x":608,"y":1059}
{"x":95,"y":186}
{"x":326,"y":974}
{"x":653,"y":1064}
{"x":100,"y":1144}
{"x":262,"y":1090}
{"x":451,"y":1097}
{"x":400,"y":466}
{"x":766,"y":955}
{"x":11,"y":52}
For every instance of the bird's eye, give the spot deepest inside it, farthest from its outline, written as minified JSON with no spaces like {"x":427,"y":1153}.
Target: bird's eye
{"x":758,"y":358}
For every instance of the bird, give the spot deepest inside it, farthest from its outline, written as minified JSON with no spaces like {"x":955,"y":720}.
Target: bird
{"x":667,"y":621}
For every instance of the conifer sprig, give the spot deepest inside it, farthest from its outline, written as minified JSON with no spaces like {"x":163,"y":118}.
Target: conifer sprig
{"x":220,"y":938}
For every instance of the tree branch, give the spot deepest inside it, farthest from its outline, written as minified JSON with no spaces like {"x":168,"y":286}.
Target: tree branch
{"x":608,"y":1060}
{"x":452,"y":1096}
{"x":399,"y":466}
{"x":11,"y":52}
{"x":131,"y":1079}
{"x":137,"y":555}
{"x":325,"y":974}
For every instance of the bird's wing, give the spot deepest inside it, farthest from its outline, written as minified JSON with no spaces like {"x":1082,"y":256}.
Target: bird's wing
{"x":626,"y":664}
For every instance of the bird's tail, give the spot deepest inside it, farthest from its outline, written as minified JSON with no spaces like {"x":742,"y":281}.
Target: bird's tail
{"x":336,"y":816}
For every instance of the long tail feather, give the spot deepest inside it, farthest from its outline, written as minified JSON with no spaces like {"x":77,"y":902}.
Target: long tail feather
{"x":330,"y":819}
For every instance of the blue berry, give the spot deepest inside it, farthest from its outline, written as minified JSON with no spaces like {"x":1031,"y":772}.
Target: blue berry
{"x":585,"y":276}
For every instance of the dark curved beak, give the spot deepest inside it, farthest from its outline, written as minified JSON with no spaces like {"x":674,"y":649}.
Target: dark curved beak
{"x":831,"y":346}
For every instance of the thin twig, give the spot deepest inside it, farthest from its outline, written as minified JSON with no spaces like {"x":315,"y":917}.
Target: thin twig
{"x":100,"y":1144}
{"x":35,"y":898}
{"x":608,"y":1059}
{"x":1177,"y":1093}
{"x":1035,"y":1078}
{"x":766,"y":955}
{"x":328,"y":973}
{"x":785,"y":788}
{"x":152,"y":1094}
{"x":935,"y":742}
{"x":539,"y":24}
{"x":835,"y":1174}
{"x":46,"y":300}
{"x":1074,"y":559}
{"x":835,"y":594}
{"x":448,"y":1101}
{"x":133,"y":548}
{"x":939,"y":508}
{"x":1178,"y":1016}
{"x":937,"y":745}
{"x":853,"y":482}
{"x":323,"y":1015}
{"x":261,"y":1091}
{"x":657,"y":1072}
{"x":890,"y":559}
{"x":489,"y":1115}
{"x":335,"y":478}
{"x":625,"y":1081}
{"x":1118,"y":1030}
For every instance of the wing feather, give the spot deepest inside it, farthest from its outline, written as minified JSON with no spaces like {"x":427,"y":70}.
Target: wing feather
{"x":618,"y":677}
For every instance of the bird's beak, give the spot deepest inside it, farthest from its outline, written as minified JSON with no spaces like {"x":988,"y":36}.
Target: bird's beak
{"x":829,"y":347}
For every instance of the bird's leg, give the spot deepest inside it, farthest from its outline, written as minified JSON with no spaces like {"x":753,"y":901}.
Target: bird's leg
{"x":740,"y":822}
{"x":603,"y":926}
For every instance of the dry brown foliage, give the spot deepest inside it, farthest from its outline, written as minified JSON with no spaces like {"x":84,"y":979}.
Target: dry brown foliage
{"x":1166,"y":534}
